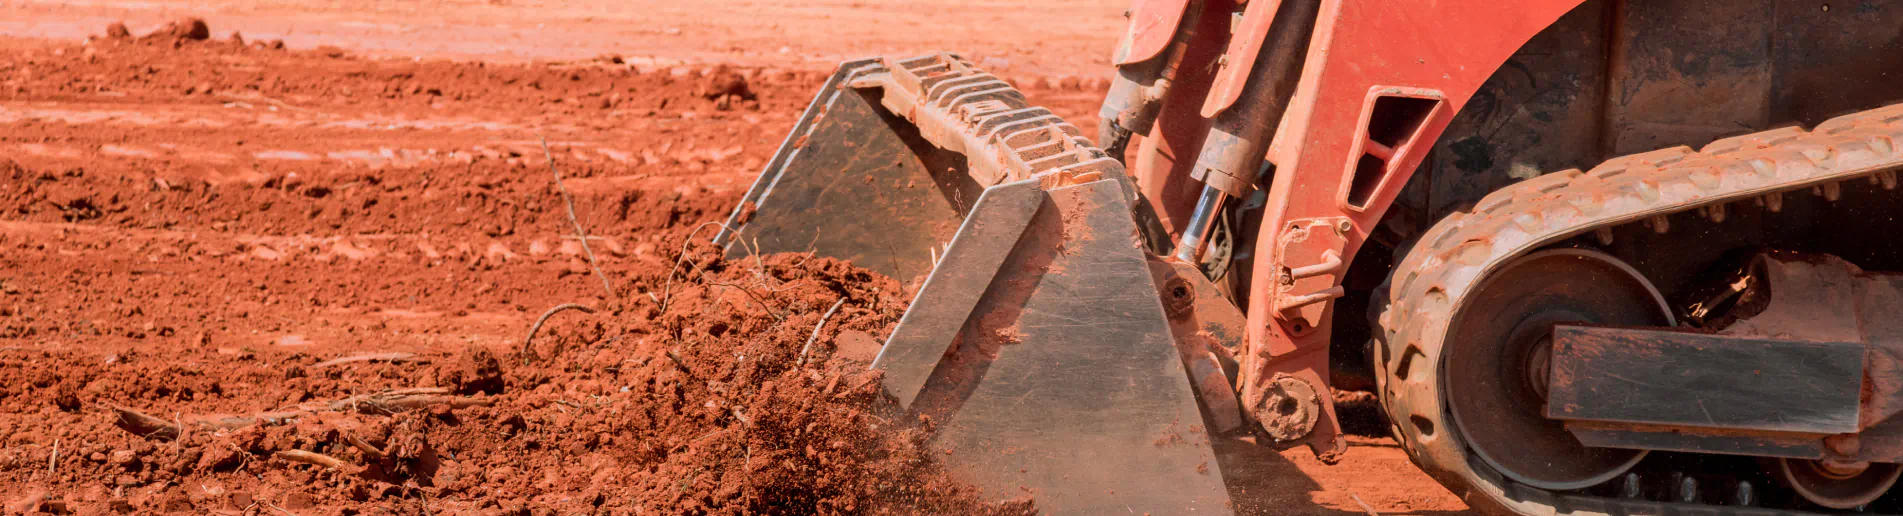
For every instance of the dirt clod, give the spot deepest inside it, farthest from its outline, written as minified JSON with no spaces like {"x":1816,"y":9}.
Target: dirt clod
{"x":725,"y":82}
{"x":189,"y":28}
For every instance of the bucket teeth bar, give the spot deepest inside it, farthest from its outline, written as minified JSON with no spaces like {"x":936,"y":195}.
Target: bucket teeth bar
{"x":974,"y":113}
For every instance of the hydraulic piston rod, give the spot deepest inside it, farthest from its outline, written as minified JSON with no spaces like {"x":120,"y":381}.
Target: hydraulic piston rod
{"x":1230,"y":164}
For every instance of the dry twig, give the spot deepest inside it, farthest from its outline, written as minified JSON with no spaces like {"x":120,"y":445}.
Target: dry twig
{"x":678,"y":362}
{"x":804,"y":351}
{"x":146,"y":426}
{"x":159,"y":429}
{"x":403,"y":400}
{"x":1364,"y":505}
{"x":579,"y":232}
{"x":369,"y":357}
{"x":52,"y":464}
{"x":667,"y":288}
{"x":543,"y":319}
{"x":383,"y":403}
{"x":770,"y":309}
{"x":313,"y":458}
{"x":369,"y":451}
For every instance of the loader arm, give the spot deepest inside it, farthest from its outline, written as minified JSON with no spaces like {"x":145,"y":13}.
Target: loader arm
{"x":1353,"y":137}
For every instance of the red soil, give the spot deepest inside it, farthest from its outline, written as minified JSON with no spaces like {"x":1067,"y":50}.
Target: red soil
{"x":191,"y":227}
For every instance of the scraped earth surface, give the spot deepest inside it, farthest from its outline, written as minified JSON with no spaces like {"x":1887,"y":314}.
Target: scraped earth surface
{"x":224,"y":259}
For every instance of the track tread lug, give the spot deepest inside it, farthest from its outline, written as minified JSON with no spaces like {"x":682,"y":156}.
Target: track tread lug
{"x":1753,"y":141}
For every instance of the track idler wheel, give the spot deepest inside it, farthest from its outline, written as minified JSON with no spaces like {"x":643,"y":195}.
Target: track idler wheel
{"x":1496,"y":361}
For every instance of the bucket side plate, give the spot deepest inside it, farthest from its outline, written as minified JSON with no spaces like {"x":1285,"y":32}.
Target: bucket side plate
{"x":857,"y":183}
{"x":1065,"y":379}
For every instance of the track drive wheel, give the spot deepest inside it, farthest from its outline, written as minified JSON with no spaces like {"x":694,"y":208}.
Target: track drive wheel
{"x":1490,"y":375}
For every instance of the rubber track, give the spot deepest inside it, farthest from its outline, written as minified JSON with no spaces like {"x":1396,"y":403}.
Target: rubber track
{"x":1450,"y":259}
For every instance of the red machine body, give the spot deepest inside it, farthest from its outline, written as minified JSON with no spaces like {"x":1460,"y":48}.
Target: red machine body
{"x":1360,"y":53}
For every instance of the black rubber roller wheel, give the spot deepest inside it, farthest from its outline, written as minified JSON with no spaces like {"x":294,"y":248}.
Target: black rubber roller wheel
{"x":1497,"y":360}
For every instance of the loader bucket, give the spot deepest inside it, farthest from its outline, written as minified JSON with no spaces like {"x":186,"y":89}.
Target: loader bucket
{"x":1037,"y":343}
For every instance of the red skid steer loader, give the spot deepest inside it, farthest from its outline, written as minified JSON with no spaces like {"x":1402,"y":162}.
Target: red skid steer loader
{"x":1592,"y":257}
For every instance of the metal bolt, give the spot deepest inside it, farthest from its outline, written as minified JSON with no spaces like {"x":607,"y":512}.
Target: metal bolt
{"x":1344,"y":226}
{"x":1180,"y":299}
{"x":1688,"y":489}
{"x":1629,"y":486}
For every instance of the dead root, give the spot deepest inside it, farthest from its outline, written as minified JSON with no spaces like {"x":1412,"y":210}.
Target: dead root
{"x":396,"y":357}
{"x":314,"y":459}
{"x":385,"y":403}
{"x":537,"y":327}
{"x":373,"y":453}
{"x":146,"y":426}
{"x":407,"y":457}
{"x":403,"y":400}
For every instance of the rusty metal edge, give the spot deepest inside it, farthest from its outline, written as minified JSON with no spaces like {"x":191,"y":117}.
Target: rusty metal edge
{"x":938,"y":312}
{"x":770,"y":174}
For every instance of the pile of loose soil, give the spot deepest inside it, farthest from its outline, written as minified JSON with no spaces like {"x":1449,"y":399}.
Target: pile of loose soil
{"x":205,"y":325}
{"x":703,"y":398}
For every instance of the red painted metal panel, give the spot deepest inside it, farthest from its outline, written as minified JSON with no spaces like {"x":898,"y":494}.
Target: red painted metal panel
{"x":1448,"y":47}
{"x":1152,"y":26}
